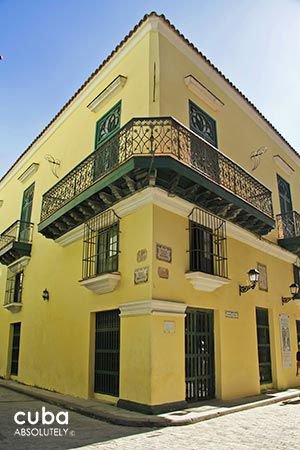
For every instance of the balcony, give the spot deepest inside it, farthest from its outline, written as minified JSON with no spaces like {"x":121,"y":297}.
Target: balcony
{"x":15,"y":242}
{"x":288,"y":225}
{"x":158,"y":152}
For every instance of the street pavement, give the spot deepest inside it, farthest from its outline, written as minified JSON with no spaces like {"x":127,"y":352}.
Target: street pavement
{"x":265,"y":428}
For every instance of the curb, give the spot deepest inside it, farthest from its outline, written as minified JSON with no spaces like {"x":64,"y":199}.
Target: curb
{"x":148,"y":421}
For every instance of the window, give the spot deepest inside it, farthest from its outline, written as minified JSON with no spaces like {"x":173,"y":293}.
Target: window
{"x":108,"y":125}
{"x":15,"y":348}
{"x":285,"y":197}
{"x":14,"y":287}
{"x":25,"y":218}
{"x":202,"y":124}
{"x":263,"y":344}
{"x":101,"y":245}
{"x":207,"y":235}
{"x":297,"y":279}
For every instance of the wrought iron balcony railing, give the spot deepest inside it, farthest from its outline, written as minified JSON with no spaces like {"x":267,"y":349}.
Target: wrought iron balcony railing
{"x":288,"y":225}
{"x":19,"y":231}
{"x":158,"y":137}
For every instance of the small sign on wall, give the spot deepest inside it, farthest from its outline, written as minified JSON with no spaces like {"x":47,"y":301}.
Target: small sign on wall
{"x":163,"y":272}
{"x":163,"y":253}
{"x":286,"y":352}
{"x":169,"y":326}
{"x":141,"y":255}
{"x":263,"y":278}
{"x":141,"y":275}
{"x":232,"y":314}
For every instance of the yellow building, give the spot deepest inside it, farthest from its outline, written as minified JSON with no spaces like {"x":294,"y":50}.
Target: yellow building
{"x":130,"y":226}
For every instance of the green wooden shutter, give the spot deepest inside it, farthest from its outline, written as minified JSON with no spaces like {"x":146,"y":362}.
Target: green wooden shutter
{"x":25,"y":217}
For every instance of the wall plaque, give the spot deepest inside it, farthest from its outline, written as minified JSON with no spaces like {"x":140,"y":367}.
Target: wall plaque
{"x":141,"y":275}
{"x":169,"y":326}
{"x":263,"y":278}
{"x":141,"y":255}
{"x":232,"y":314}
{"x":286,"y":353}
{"x":163,"y":253}
{"x":163,"y":272}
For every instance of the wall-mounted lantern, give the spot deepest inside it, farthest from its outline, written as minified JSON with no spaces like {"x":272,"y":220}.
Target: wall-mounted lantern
{"x":253,"y":276}
{"x":45,"y":295}
{"x":294,"y":289}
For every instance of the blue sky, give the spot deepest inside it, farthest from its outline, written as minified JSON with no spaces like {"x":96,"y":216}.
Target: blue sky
{"x":51,"y":46}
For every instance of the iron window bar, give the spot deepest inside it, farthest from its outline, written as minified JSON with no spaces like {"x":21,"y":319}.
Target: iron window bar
{"x":14,"y":288}
{"x":207,"y":243}
{"x":101,"y":245}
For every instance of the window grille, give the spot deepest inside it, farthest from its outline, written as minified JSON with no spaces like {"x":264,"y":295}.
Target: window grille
{"x":208,"y":247}
{"x":14,"y":287}
{"x":101,"y":245}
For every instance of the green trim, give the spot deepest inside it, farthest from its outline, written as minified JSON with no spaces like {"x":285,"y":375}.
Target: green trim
{"x":151,"y":409}
{"x":291,"y":244}
{"x":108,"y":135}
{"x":167,"y":162}
{"x":210,"y":120}
{"x":122,"y":170}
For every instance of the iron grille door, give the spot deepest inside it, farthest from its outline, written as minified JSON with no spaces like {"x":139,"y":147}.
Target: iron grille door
{"x":298,"y":331}
{"x":263,"y":343}
{"x":16,"y":332}
{"x":107,"y":352}
{"x":199,"y":355}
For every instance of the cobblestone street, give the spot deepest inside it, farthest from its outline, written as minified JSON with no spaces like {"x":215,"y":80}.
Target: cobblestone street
{"x":270,"y":427}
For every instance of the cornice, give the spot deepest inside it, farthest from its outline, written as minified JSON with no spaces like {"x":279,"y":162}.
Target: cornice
{"x":176,"y":205}
{"x":153,"y":307}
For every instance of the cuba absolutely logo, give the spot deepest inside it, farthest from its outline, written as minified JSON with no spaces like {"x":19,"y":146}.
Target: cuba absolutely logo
{"x":44,"y":419}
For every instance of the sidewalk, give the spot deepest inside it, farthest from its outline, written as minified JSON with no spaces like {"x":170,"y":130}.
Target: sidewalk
{"x":108,"y":413}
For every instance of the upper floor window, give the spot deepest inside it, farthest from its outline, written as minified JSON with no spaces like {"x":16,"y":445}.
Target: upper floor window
{"x":101,"y":245}
{"x":202,"y":124}
{"x":25,"y":217}
{"x":297,"y":279}
{"x":208,"y":250}
{"x":108,"y":125}
{"x":285,"y":198}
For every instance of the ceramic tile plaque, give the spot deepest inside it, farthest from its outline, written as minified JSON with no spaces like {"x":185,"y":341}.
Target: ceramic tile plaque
{"x":163,"y":253}
{"x":141,"y":255}
{"x":263,"y":278}
{"x":141,"y":275}
{"x":163,"y":272}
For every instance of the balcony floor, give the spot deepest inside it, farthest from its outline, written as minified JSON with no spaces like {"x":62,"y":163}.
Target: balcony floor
{"x":167,"y":173}
{"x":14,"y":251}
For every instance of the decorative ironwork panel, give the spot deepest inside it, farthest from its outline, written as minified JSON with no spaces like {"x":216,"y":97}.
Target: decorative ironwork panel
{"x":199,"y":355}
{"x":208,"y":244}
{"x":288,"y":225}
{"x":203,"y":124}
{"x":107,"y":353}
{"x":101,"y":245}
{"x":263,"y":343}
{"x":155,"y":137}
{"x":16,"y":334}
{"x":19,"y":231}
{"x":108,"y":125}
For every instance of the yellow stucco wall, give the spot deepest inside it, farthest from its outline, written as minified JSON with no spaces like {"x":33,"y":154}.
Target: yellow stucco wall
{"x":57,"y":336}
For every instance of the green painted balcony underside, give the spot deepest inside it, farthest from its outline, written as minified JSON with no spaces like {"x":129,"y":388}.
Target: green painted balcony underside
{"x":14,"y":251}
{"x":163,"y":153}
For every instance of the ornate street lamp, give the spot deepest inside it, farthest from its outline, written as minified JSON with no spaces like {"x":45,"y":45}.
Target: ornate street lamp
{"x":253,"y":276}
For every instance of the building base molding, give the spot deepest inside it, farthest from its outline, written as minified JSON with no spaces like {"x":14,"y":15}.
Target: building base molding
{"x":153,"y":307}
{"x":102,"y":283}
{"x":151,"y":409}
{"x":13,"y":307}
{"x":205,"y":282}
